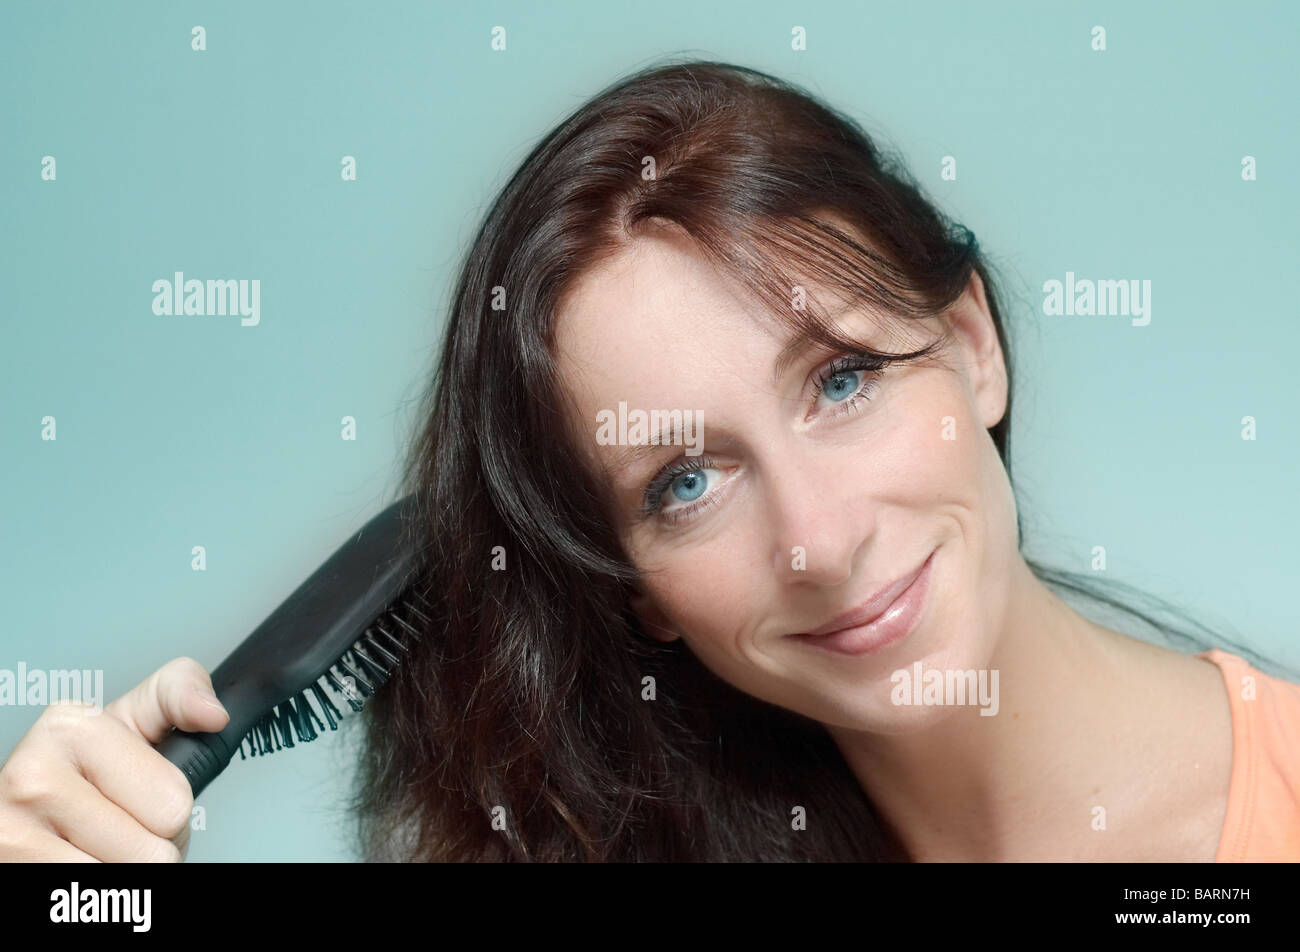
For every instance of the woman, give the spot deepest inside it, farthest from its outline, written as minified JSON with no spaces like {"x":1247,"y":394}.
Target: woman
{"x":621,"y":667}
{"x":739,"y":642}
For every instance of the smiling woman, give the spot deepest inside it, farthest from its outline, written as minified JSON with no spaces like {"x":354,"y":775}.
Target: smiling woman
{"x":697,"y":656}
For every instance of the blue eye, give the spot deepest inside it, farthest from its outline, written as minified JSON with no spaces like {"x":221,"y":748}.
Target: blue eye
{"x":688,"y":487}
{"x":840,"y":385}
{"x":837,"y":381}
{"x":683,"y":482}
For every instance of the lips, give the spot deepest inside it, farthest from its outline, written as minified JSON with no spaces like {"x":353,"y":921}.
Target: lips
{"x":904,"y":602}
{"x":872,"y":608}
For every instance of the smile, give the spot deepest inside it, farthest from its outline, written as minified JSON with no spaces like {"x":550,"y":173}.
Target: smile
{"x":872,"y":626}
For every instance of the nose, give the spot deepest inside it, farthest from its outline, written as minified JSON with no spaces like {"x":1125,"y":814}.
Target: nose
{"x":820,"y":515}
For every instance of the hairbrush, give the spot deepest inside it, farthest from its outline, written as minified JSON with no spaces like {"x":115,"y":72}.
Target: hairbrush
{"x":345,"y":630}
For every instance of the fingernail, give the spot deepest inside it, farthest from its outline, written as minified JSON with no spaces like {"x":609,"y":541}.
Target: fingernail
{"x":210,"y":699}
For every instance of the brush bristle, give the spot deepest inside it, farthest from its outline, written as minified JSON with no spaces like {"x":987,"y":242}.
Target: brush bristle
{"x":363,"y":670}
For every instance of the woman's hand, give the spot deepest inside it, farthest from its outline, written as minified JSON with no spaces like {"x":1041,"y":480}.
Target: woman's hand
{"x":86,"y":785}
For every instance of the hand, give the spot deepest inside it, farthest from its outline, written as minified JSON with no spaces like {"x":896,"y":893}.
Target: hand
{"x":86,"y":785}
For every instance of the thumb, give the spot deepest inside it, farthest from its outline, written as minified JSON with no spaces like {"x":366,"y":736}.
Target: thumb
{"x":177,"y":694}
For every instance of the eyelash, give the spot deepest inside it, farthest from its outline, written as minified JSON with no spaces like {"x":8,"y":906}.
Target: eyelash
{"x":659,"y":485}
{"x":846,"y":364}
{"x":873,"y":366}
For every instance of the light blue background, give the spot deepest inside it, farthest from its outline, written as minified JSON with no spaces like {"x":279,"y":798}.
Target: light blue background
{"x":177,"y":431}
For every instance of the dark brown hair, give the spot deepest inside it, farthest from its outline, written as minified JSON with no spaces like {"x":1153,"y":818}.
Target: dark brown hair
{"x":525,"y":692}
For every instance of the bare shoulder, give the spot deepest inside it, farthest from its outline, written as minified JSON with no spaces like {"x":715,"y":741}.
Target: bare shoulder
{"x":1201,"y":761}
{"x":1183,"y":761}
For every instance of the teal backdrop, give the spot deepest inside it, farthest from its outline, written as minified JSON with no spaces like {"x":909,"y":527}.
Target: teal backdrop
{"x":176,"y":431}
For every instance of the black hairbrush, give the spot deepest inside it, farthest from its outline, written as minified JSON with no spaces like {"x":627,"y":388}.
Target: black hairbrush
{"x":346,"y":629}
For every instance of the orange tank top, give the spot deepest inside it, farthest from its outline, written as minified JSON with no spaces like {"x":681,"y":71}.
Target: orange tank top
{"x":1263,"y":818}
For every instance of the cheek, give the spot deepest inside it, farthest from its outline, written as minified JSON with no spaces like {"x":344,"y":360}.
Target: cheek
{"x":975,"y":475}
{"x":959,"y":471}
{"x":944,"y":468}
{"x":708,"y":593}
{"x":715,"y":613}
{"x":933,"y":453}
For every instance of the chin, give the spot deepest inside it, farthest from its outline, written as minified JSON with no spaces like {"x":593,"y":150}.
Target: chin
{"x":953,"y":678}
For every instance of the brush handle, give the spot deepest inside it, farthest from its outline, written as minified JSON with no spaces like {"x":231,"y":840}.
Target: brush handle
{"x":201,"y":757}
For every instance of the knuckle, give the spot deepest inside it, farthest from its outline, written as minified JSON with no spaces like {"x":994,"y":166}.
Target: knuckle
{"x":179,"y":677}
{"x":64,"y":719}
{"x":184,"y":667}
{"x":17,"y":847}
{"x":25,"y":781}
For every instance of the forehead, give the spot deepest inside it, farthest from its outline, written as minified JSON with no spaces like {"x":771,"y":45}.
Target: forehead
{"x":658,"y":307}
{"x":656,"y":303}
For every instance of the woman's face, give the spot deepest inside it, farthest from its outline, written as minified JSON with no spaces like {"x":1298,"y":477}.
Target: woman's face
{"x":802,"y":506}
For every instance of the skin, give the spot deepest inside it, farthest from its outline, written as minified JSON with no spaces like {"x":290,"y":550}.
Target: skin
{"x":1088,"y":717}
{"x":85,"y":785}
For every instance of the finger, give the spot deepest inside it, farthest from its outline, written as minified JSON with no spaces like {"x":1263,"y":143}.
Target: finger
{"x":126,"y":770}
{"x":171,"y":696}
{"x":82,"y":816}
{"x":40,"y":845}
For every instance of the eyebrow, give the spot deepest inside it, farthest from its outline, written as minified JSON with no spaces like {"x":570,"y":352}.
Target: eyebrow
{"x":625,"y":457}
{"x":795,"y":348}
{"x":802,"y":342}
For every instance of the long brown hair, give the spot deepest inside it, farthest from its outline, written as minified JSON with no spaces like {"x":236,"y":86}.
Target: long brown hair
{"x":518,"y":730}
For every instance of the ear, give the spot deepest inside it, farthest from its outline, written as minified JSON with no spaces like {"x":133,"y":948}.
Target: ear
{"x":654,"y":622}
{"x":980,"y":351}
